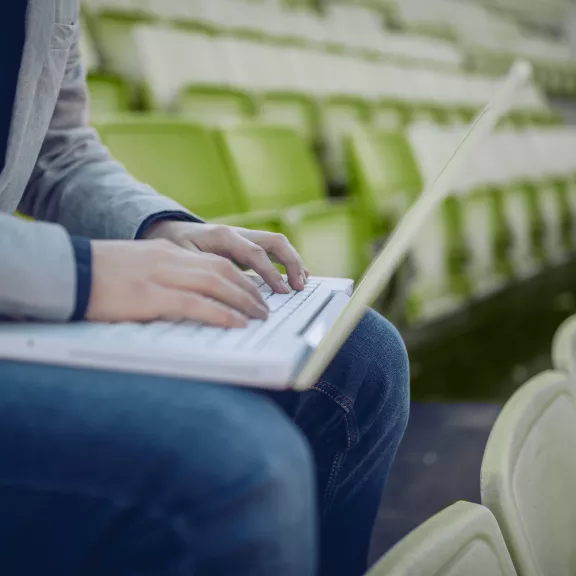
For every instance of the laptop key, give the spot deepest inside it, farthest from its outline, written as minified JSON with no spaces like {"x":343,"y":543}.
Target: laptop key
{"x":276,"y":301}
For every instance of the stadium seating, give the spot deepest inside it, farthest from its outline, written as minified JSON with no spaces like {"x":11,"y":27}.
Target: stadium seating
{"x":463,"y":540}
{"x":529,"y":475}
{"x":380,"y":107}
{"x":182,"y":161}
{"x":511,"y":214}
{"x":226,"y":61}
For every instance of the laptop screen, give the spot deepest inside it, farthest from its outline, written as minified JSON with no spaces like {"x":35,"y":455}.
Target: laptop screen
{"x":384,"y":266}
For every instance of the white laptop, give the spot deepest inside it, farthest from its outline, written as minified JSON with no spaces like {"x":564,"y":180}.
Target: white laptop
{"x":303,"y":332}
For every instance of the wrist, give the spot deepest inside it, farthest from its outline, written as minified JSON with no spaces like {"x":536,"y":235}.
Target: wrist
{"x":158,"y":229}
{"x":146,"y":232}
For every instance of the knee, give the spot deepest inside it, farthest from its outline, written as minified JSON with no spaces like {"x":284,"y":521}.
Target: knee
{"x":385,"y":392}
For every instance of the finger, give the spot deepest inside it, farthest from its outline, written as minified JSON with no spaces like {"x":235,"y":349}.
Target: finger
{"x":255,"y":257}
{"x":210,"y":284}
{"x":227,"y":269}
{"x":280,"y":249}
{"x":185,"y":305}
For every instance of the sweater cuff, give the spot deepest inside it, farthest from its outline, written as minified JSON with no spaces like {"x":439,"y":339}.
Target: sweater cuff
{"x":166,"y":215}
{"x":83,"y":255}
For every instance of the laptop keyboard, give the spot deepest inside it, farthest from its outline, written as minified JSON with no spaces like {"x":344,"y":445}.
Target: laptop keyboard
{"x":282,"y":307}
{"x":186,"y":333}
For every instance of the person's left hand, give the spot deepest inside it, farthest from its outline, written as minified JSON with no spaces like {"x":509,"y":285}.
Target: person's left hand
{"x":251,"y":248}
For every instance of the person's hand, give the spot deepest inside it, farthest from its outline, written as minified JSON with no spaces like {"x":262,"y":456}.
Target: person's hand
{"x":250,"y":248}
{"x":144,"y":281}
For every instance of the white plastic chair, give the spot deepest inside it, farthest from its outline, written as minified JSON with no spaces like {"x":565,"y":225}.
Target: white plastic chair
{"x":529,"y":475}
{"x":171,"y":59}
{"x":463,"y":540}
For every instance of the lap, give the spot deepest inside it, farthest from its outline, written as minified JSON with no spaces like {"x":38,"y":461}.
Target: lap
{"x":75,"y":429}
{"x":134,"y":422}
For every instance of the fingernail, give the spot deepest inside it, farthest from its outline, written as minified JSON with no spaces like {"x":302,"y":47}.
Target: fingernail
{"x":285,"y":288}
{"x":303,"y":279}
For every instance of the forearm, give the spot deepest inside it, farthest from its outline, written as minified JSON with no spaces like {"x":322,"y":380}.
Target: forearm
{"x":37,"y":270}
{"x":78,"y":185}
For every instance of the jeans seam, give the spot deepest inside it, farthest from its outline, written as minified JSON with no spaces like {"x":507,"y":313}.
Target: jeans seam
{"x":347,"y":406}
{"x":331,"y":484}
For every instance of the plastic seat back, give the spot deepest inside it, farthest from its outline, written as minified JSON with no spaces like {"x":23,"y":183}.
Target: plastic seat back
{"x":272,"y":167}
{"x":529,"y":475}
{"x":382,"y":171}
{"x":178,"y":159}
{"x":331,"y":238}
{"x":462,"y":540}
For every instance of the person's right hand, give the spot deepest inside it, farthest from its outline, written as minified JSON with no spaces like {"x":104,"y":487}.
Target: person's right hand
{"x":155,"y":279}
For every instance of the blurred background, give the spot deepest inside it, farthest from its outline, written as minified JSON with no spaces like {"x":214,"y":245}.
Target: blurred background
{"x":323,"y":120}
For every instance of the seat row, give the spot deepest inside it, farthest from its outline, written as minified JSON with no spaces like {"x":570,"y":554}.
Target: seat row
{"x":470,"y":34}
{"x":526,"y":526}
{"x":491,"y":38}
{"x":218,"y":80}
{"x":512,"y":213}
{"x":354,"y":29}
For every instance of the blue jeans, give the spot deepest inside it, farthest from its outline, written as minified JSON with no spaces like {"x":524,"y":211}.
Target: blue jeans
{"x":121,"y":474}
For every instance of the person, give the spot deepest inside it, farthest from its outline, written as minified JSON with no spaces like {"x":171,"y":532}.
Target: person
{"x":125,"y":474}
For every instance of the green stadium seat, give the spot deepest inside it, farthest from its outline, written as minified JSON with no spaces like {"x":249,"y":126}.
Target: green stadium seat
{"x":383,"y":174}
{"x":274,"y":169}
{"x":462,"y":540}
{"x":331,"y":239}
{"x":529,"y":474}
{"x":182,"y":161}
{"x":271,"y":166}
